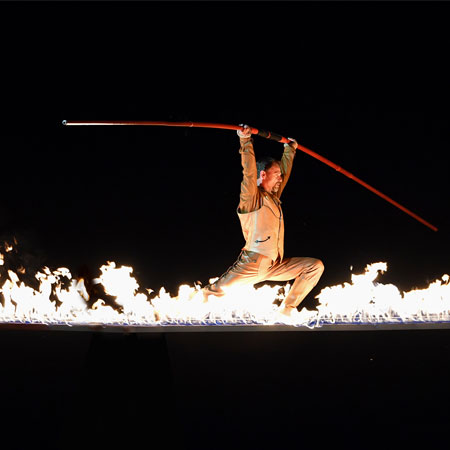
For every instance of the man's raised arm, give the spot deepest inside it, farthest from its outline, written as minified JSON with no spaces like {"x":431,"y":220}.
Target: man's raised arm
{"x":287,"y":160}
{"x":248,"y":200}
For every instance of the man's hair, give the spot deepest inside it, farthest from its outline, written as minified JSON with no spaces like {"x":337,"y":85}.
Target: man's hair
{"x":265,"y":164}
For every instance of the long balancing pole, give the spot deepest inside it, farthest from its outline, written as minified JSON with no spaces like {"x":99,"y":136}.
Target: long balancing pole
{"x":264,"y":134}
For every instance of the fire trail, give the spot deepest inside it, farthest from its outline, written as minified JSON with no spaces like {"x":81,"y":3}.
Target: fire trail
{"x":62,"y":301}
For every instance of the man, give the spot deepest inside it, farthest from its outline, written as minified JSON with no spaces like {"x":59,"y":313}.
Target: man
{"x":259,"y":210}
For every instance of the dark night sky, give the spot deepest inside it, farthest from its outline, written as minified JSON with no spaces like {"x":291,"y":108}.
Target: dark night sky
{"x":363,"y":84}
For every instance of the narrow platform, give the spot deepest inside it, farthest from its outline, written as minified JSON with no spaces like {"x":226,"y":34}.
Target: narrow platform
{"x":211,"y":328}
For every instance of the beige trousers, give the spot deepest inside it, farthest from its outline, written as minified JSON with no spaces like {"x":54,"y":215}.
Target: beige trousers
{"x":252,"y":268}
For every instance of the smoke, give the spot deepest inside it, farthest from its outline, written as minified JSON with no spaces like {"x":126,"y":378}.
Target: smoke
{"x":21,"y":257}
{"x":22,"y":254}
{"x":94,"y":290}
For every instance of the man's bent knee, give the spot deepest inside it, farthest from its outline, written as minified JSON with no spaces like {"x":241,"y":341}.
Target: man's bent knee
{"x":319,"y":266}
{"x":314,"y":269}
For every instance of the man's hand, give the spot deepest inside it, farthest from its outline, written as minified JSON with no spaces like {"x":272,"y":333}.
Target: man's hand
{"x":245,"y":132}
{"x":293,"y":143}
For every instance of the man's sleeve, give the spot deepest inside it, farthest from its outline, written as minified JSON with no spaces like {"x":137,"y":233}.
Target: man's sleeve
{"x":249,"y":188}
{"x":287,"y":160}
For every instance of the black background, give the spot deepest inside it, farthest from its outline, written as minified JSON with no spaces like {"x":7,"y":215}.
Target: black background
{"x":364,"y":84}
{"x":222,"y":390}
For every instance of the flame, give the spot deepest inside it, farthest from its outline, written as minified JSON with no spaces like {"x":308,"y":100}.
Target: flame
{"x":61,"y":299}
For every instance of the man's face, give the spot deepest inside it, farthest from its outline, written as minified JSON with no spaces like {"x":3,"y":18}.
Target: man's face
{"x":271,"y":178}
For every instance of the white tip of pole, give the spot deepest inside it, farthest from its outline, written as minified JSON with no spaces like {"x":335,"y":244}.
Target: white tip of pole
{"x":64,"y":122}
